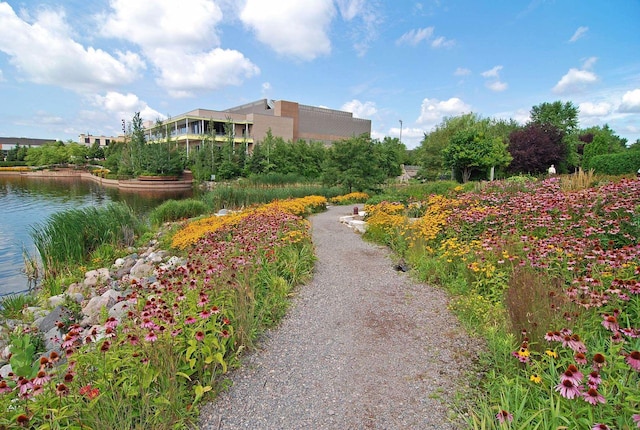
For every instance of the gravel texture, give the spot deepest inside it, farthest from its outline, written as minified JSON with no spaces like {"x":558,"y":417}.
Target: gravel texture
{"x":362,"y":347}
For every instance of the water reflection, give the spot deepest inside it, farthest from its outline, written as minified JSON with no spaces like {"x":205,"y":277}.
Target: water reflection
{"x":27,"y":202}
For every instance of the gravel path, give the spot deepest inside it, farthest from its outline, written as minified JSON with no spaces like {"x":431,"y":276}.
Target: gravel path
{"x":362,"y":347}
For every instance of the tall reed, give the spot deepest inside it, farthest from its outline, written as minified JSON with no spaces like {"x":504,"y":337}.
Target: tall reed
{"x":69,"y":237}
{"x":174,"y":210}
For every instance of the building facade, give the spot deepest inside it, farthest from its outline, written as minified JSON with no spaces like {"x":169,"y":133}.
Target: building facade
{"x":249,"y":124}
{"x":102,"y":141}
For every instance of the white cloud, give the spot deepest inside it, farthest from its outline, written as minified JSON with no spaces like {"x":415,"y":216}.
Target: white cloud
{"x":442,"y":42}
{"x":291,"y":27}
{"x":630,"y":102}
{"x":574,"y":81}
{"x":360,"y":109}
{"x":181,"y":40}
{"x":492,"y":73}
{"x":349,"y":9}
{"x":461,"y":71}
{"x":44,"y":52}
{"x":125,"y":106}
{"x":1,"y":76}
{"x":433,"y":111}
{"x":415,"y":36}
{"x":166,"y":24}
{"x":206,"y":71}
{"x":497,"y":86}
{"x":411,"y":136}
{"x":594,"y":109}
{"x":589,"y":62}
{"x":580,"y":32}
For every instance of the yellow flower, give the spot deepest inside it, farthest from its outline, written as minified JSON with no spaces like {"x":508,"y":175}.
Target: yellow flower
{"x":551,"y":353}
{"x":535,"y":378}
{"x":524,"y":352}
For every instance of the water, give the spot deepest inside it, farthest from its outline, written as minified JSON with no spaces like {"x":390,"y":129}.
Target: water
{"x":26,"y":203}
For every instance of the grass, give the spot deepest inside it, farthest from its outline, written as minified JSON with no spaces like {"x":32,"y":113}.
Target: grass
{"x":68,"y":238}
{"x":175,"y":210}
{"x":11,"y":306}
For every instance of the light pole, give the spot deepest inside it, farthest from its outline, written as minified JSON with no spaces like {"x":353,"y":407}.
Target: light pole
{"x":400,"y":131}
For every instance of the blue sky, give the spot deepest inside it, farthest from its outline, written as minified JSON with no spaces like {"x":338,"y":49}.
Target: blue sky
{"x":80,"y":66}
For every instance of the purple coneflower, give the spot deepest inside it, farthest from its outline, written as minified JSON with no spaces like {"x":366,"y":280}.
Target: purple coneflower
{"x":598,"y":361}
{"x":41,"y":378}
{"x":151,"y":337}
{"x":580,"y":358}
{"x":504,"y":416}
{"x":636,"y":419}
{"x":592,"y":396}
{"x":600,"y":427}
{"x":567,"y":389}
{"x":199,"y":336}
{"x":633,"y":360}
{"x":190,"y":320}
{"x":594,"y":379}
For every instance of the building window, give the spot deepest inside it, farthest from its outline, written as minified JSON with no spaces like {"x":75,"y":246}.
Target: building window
{"x":107,"y":142}
{"x":86,"y":140}
{"x":97,"y":141}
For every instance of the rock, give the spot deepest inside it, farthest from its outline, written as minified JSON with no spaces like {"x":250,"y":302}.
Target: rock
{"x":76,"y":297}
{"x":119,"y":263}
{"x":76,"y":288}
{"x":59,"y":313}
{"x":125,"y":267}
{"x":52,"y":340}
{"x":120,"y":310}
{"x":93,"y":309}
{"x":55,"y":301}
{"x":95,"y":277}
{"x":141,"y":269}
{"x":5,"y":370}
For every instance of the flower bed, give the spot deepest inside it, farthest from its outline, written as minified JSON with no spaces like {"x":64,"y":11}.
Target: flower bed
{"x":551,"y":280}
{"x":184,"y":329}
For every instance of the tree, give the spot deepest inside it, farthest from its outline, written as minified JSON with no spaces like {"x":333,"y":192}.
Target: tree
{"x":535,"y":147}
{"x":429,"y":153}
{"x":603,"y":141}
{"x":391,"y":154}
{"x":471,"y":150}
{"x":352,"y":165}
{"x":564,"y":116}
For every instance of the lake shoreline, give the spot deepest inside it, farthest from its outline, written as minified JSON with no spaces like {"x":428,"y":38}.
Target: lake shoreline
{"x":184,"y":184}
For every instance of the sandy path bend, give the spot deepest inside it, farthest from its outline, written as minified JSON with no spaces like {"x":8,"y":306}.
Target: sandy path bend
{"x":362,"y":347}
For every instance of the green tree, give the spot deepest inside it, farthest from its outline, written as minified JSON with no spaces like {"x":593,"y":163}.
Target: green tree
{"x":352,"y":165}
{"x":563,"y":116}
{"x":603,"y":142}
{"x":429,"y":154}
{"x":471,"y":150}
{"x":390,"y":153}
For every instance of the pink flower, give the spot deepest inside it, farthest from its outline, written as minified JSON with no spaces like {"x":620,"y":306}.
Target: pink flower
{"x":600,"y":427}
{"x":636,"y":419}
{"x":205,"y":314}
{"x":111,"y":323}
{"x":572,"y":374}
{"x":633,"y":360}
{"x":567,"y":389}
{"x":610,"y":323}
{"x":199,"y":336}
{"x":594,"y":379}
{"x":580,"y":358}
{"x":504,"y":416}
{"x":41,"y":378}
{"x":592,"y":396}
{"x":151,"y":337}
{"x":190,"y":320}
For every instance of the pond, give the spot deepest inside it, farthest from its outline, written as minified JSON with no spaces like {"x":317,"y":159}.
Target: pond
{"x":26,"y":203}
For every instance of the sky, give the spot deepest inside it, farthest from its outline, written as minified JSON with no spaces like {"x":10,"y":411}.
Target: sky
{"x":81,"y":66}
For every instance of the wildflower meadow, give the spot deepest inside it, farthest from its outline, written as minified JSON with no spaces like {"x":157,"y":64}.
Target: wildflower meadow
{"x":185,"y":328}
{"x":547,"y":274}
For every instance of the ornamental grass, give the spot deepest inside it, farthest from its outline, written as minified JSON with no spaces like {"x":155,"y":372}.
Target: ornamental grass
{"x":548,"y":274}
